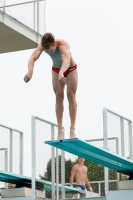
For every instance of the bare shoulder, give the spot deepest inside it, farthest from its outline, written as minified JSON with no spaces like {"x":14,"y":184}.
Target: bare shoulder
{"x":63,"y":45}
{"x":74,"y":166}
{"x":39,"y":47}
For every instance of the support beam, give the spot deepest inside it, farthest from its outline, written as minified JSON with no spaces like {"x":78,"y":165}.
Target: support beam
{"x":15,"y":36}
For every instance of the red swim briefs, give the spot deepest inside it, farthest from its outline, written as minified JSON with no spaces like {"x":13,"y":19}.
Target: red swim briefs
{"x":70,"y":69}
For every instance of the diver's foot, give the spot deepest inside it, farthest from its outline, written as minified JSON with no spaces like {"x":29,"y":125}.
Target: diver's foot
{"x":72,"y":133}
{"x":60,"y":134}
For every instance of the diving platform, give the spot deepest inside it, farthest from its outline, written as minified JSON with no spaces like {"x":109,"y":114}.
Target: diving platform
{"x":15,"y":36}
{"x":25,"y":181}
{"x":20,"y":198}
{"x":95,"y":154}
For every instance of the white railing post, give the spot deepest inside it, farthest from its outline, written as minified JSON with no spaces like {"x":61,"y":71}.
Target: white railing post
{"x":53,"y":163}
{"x":57,"y":174}
{"x":11,"y":151}
{"x":4,"y":10}
{"x":21,"y":153}
{"x":105,"y":144}
{"x":33,"y":156}
{"x":34,"y":16}
{"x":45,"y":17}
{"x":37,"y":19}
{"x":99,"y":189}
{"x":130,"y":140}
{"x":122,"y":136}
{"x":63,"y":170}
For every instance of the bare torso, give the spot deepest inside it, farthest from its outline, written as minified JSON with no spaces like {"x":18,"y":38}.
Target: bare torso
{"x":80,"y":174}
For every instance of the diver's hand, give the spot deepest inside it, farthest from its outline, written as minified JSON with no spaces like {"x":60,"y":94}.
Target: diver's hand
{"x":61,"y":78}
{"x":28,"y":76}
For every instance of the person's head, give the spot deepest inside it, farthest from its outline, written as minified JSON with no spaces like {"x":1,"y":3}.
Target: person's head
{"x":81,"y":160}
{"x":48,"y":42}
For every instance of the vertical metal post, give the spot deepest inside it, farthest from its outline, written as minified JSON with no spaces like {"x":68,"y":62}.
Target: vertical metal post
{"x":53,"y":163}
{"x":130,"y":140}
{"x":6,"y":159}
{"x":6,"y":164}
{"x":117,"y":151}
{"x":117,"y":145}
{"x":57,"y":174}
{"x":34,"y":16}
{"x":33,"y":155}
{"x":37,"y":19}
{"x":122,"y":136}
{"x":99,"y":189}
{"x":44,"y":16}
{"x":63,"y":170}
{"x":105,"y":144}
{"x":21,"y":153}
{"x":11,"y":151}
{"x":4,"y":9}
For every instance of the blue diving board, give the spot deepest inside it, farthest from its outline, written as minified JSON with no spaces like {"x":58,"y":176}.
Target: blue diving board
{"x":95,"y":154}
{"x":25,"y":181}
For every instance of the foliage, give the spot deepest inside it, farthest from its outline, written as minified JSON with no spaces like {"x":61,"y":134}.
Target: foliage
{"x":95,"y":173}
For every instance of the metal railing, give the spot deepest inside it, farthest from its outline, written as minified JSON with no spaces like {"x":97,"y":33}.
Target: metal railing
{"x":11,"y":146}
{"x":5,"y":162}
{"x":35,"y":14}
{"x":99,"y":183}
{"x":121,"y":126}
{"x":113,"y":144}
{"x":52,"y":152}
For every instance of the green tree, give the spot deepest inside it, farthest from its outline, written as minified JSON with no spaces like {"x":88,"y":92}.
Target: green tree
{"x":47,"y":175}
{"x":95,"y":173}
{"x":68,"y":167}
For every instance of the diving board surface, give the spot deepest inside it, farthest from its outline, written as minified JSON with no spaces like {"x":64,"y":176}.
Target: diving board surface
{"x":25,"y":181}
{"x":95,"y":154}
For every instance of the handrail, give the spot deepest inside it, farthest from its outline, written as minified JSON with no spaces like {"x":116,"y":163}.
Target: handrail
{"x":17,"y":4}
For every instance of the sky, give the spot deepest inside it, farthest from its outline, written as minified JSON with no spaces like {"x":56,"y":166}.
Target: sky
{"x":100,"y":36}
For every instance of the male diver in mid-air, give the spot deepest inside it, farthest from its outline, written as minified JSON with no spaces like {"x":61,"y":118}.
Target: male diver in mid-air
{"x":64,"y":72}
